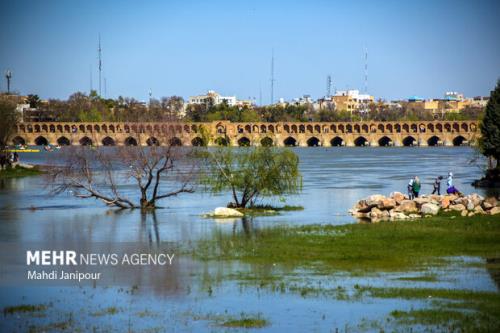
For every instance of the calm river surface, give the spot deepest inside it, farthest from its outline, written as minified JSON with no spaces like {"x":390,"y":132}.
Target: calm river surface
{"x":187,"y":295}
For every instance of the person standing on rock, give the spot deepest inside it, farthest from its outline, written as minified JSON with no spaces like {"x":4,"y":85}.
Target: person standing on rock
{"x":416,"y":187}
{"x":449,"y":182}
{"x":410,"y":189}
{"x":437,"y":185}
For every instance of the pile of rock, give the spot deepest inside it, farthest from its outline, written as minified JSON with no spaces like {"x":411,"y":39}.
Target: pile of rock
{"x":398,"y":207}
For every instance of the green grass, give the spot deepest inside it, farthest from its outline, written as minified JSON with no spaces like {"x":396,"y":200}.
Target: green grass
{"x":245,"y":322}
{"x":112,"y":310}
{"x":18,"y":172}
{"x":25,"y":308}
{"x":386,"y":246}
{"x":267,"y":210}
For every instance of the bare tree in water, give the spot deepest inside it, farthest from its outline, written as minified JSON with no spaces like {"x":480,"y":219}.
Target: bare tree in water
{"x":159,"y":170}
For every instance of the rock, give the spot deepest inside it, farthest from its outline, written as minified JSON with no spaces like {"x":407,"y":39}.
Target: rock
{"x":398,"y":197}
{"x":445,"y":203}
{"x":361,"y":215}
{"x":470,"y":205}
{"x":399,"y":216}
{"x":494,"y":211}
{"x":464,"y":213}
{"x":226,"y":212}
{"x":492,"y":201}
{"x":478,"y":210}
{"x":471,"y":214}
{"x":429,"y":208}
{"x":387,"y":204}
{"x":407,"y":206}
{"x":414,"y":216}
{"x":375,"y":213}
{"x":476,"y":199}
{"x":422,"y":200}
{"x":487,"y":205}
{"x":374,"y":200}
{"x":458,"y":207}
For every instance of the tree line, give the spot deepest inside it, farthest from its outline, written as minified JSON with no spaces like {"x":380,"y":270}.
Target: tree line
{"x":93,"y":108}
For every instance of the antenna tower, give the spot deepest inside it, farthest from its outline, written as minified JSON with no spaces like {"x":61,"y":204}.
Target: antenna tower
{"x":272,"y":77}
{"x":328,"y":86}
{"x":366,"y":71}
{"x":100,"y":64}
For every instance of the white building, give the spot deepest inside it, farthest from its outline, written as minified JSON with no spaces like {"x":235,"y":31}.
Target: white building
{"x":213,"y":98}
{"x":355,"y":95}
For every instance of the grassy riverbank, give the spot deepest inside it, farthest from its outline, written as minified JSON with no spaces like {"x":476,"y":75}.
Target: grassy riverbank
{"x":387,"y":246}
{"x":317,"y":261}
{"x":18,"y":172}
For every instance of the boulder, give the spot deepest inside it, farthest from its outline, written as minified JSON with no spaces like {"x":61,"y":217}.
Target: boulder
{"x":470,"y":205}
{"x":414,"y":216}
{"x":478,"y":210}
{"x":444,"y":203}
{"x":398,"y":197}
{"x":226,"y":212}
{"x":494,"y":211}
{"x":422,"y":200}
{"x":375,"y":213}
{"x":464,"y":213}
{"x":429,"y":208}
{"x":492,"y":201}
{"x":407,"y":206}
{"x":487,"y":205}
{"x":374,"y":200}
{"x":387,"y":204}
{"x":457,"y":207}
{"x":398,"y":216}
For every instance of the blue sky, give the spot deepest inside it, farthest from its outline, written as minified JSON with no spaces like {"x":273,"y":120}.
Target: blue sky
{"x":187,"y":47}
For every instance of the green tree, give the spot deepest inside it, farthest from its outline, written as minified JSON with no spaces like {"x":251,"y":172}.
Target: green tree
{"x":490,"y":128}
{"x":33,"y":100}
{"x":8,"y":120}
{"x":252,"y":173}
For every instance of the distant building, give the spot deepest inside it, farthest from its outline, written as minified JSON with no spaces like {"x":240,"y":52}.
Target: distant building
{"x":351,"y":100}
{"x":213,"y":98}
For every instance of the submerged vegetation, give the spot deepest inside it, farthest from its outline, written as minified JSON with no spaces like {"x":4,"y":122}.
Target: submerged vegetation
{"x":314,"y":261}
{"x":18,"y":172}
{"x":391,"y":246}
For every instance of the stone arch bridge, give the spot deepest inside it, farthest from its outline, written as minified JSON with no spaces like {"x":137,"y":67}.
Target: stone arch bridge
{"x":326,"y":134}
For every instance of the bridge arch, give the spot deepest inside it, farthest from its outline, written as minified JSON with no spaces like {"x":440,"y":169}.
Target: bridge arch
{"x":63,"y":141}
{"x":41,"y":141}
{"x":360,"y":141}
{"x":385,"y":141}
{"x":459,"y":140}
{"x":313,"y":142}
{"x":19,"y":140}
{"x":267,"y":142}
{"x":152,"y":141}
{"x":244,"y":142}
{"x":198,"y":142}
{"x":130,"y":141}
{"x":221,"y":141}
{"x":290,"y":142}
{"x":433,"y":141}
{"x":337,"y":142}
{"x":175,"y":141}
{"x":108,"y":141}
{"x":86,"y":141}
{"x":409,"y":141}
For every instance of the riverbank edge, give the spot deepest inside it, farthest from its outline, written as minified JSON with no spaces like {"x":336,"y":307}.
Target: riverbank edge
{"x":21,"y":171}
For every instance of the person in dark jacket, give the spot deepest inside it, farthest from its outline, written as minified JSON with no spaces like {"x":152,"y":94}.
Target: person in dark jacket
{"x":437,"y":185}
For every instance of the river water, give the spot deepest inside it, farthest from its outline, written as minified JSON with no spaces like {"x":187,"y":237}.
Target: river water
{"x":187,"y":296}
